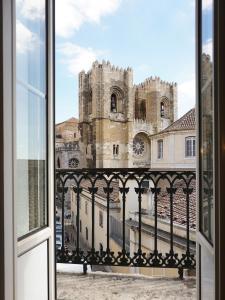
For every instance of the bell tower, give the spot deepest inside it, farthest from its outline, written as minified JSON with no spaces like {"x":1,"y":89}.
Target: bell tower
{"x":106,"y":109}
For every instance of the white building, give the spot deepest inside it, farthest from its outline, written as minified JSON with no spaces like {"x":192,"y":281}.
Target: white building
{"x":175,"y":146}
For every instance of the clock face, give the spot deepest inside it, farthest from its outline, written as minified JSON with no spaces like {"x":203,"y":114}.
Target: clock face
{"x":138,"y":146}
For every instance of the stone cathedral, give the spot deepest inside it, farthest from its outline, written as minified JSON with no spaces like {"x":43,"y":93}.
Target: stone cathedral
{"x":116,"y":117}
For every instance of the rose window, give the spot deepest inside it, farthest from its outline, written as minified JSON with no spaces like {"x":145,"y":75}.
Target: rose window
{"x":138,"y":146}
{"x":73,"y":163}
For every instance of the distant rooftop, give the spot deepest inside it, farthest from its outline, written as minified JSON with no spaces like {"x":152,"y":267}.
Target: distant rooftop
{"x":186,"y":122}
{"x":70,"y":120}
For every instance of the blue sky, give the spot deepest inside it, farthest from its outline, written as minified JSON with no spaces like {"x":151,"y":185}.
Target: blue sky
{"x":155,"y":38}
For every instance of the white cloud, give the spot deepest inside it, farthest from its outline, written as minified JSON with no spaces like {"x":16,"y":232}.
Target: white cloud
{"x":71,"y":14}
{"x":207,"y":47}
{"x":26,"y":40}
{"x":32,"y":9}
{"x":207,"y":4}
{"x":186,"y":96}
{"x":77,"y":58}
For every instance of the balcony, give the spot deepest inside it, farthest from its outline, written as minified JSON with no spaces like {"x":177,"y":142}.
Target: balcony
{"x":128,"y":220}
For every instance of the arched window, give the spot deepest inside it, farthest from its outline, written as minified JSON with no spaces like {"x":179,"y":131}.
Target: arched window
{"x":162,"y":109}
{"x":113,"y":103}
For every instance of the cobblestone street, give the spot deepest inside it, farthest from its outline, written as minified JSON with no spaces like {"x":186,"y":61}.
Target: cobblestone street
{"x":105,"y":286}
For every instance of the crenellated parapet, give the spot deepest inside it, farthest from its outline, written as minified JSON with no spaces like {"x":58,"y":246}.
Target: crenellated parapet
{"x":155,"y":82}
{"x":106,"y":65}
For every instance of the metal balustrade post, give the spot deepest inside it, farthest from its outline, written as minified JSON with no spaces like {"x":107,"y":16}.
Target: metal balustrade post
{"x":77,"y":191}
{"x":187,"y":192}
{"x":63,"y":225}
{"x":171,"y":192}
{"x":124,"y":191}
{"x":93,"y":190}
{"x":62,"y":190}
{"x":108,"y":191}
{"x":139,"y":191}
{"x":156,"y":192}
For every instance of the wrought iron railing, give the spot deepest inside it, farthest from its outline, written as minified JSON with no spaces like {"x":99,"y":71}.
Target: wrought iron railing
{"x":173,"y":201}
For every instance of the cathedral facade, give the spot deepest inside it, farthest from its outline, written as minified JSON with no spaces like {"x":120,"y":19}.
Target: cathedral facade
{"x":116,"y":117}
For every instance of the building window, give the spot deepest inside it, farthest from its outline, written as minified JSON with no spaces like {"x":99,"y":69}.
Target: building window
{"x":162,"y":110}
{"x":115,"y":150}
{"x":80,"y":226}
{"x":86,"y":207}
{"x":113,"y":103}
{"x":138,"y":146}
{"x":86,"y":233}
{"x":160,"y":149}
{"x":190,"y":146}
{"x":100,"y":219}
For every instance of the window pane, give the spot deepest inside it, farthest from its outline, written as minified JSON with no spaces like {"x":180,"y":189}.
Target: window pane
{"x":206,"y":117}
{"x":190,"y":146}
{"x":193,"y":147}
{"x":160,"y":149}
{"x":31,"y":155}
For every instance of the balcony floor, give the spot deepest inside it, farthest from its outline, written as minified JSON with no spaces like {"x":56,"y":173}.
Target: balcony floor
{"x":108,"y":286}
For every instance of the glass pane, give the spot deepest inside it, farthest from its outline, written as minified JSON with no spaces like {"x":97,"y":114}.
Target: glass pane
{"x":31,"y":155}
{"x":206,"y":117}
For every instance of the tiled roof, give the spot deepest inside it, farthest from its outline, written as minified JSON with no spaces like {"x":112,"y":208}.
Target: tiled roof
{"x":179,"y":201}
{"x":186,"y":122}
{"x":100,"y":185}
{"x":179,"y":205}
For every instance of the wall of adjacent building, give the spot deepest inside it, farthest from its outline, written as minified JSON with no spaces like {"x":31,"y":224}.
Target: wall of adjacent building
{"x":86,"y":218}
{"x":162,"y":245}
{"x":173,"y":150}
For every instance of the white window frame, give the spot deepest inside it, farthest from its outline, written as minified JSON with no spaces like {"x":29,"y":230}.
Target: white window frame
{"x":160,"y":149}
{"x":190,"y":150}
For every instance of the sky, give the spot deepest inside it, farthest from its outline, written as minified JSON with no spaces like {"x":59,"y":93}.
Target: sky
{"x":155,"y":38}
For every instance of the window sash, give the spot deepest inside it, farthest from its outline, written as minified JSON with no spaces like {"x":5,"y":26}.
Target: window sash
{"x":190,"y":147}
{"x":160,"y":149}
